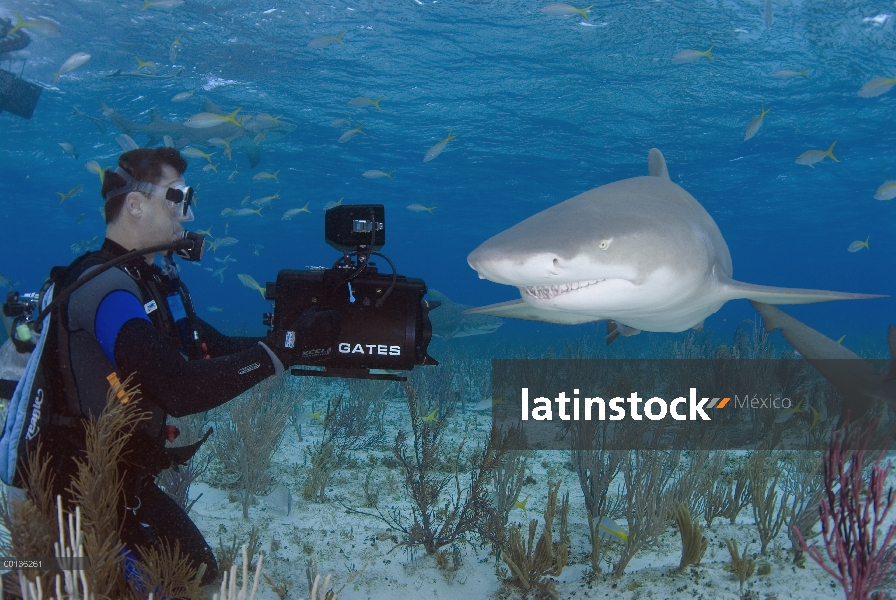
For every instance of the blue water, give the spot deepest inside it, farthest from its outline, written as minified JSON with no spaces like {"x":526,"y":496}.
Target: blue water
{"x":544,"y":108}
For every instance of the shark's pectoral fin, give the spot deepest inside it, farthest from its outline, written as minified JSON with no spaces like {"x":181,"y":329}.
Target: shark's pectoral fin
{"x":614,"y":330}
{"x":155,"y":118}
{"x":733,"y":290}
{"x":698,"y":327}
{"x":517,"y":309}
{"x":656,"y":164}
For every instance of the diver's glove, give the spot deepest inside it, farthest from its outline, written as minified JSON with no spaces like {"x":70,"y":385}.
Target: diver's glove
{"x":311,"y":337}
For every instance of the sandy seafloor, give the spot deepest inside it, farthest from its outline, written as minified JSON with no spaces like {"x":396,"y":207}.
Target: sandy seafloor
{"x":342,"y":542}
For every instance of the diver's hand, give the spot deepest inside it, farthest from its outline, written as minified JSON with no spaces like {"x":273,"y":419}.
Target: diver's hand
{"x":311,"y":337}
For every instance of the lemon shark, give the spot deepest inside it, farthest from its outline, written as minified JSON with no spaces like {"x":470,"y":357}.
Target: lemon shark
{"x":640,"y":252}
{"x":857,"y":380}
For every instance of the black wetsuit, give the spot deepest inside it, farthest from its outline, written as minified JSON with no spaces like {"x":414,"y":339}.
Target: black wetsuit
{"x":134,"y":319}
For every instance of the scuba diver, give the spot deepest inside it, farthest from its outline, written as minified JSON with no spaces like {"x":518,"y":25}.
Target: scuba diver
{"x":136,"y":318}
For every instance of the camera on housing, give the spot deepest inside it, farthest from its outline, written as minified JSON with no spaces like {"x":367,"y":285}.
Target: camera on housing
{"x":385,"y":322}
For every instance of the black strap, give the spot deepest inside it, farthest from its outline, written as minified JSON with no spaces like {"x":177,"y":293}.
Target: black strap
{"x":7,"y":388}
{"x":181,"y":454}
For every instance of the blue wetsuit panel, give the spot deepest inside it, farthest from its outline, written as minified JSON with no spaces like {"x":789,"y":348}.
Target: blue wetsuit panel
{"x":115,"y":310}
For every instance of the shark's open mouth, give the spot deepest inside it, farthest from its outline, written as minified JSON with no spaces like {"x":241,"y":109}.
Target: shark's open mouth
{"x":546,"y":292}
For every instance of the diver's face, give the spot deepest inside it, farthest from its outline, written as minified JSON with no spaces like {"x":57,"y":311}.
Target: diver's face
{"x":163,"y":221}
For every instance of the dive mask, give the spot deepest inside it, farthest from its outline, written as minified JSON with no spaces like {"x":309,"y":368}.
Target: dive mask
{"x":180,"y":197}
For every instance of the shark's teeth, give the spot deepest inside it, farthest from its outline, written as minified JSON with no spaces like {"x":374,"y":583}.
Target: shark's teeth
{"x":546,"y":292}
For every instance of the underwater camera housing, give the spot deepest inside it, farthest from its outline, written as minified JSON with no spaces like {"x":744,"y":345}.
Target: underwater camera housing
{"x":385,"y":320}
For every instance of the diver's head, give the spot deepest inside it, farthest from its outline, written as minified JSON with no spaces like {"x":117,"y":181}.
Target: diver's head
{"x":147,"y":200}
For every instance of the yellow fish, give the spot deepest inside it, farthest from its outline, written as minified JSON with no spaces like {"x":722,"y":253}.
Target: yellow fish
{"x":204,"y":120}
{"x":887,"y":191}
{"x":294,"y":211}
{"x":351,"y":133}
{"x":182,"y":96}
{"x":20,"y":23}
{"x":842,"y":337}
{"x":71,"y":63}
{"x":211,"y":167}
{"x":196,"y":153}
{"x":810,"y":157}
{"x":877,"y":86}
{"x":161,"y":4}
{"x":815,"y":417}
{"x":858,"y":245}
{"x":522,"y":505}
{"x":94,"y":167}
{"x":250,"y":283}
{"x":264,"y":175}
{"x":362,"y":101}
{"x":146,"y":64}
{"x":566,"y":9}
{"x":325,"y":40}
{"x":437,"y":149}
{"x":232,"y":175}
{"x":431,"y":416}
{"x":420,"y":208}
{"x":206,"y":232}
{"x":755,"y":124}
{"x":377,"y":174}
{"x":72,"y":192}
{"x":609,"y":527}
{"x":686,"y":56}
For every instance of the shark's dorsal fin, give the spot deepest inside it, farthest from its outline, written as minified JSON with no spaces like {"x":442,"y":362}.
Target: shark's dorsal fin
{"x":211,"y":107}
{"x":891,"y":341}
{"x":656,"y":164}
{"x":155,"y":117}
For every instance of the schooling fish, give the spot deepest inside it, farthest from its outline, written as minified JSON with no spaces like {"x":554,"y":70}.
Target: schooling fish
{"x":789,"y":74}
{"x":325,"y":40}
{"x":72,"y":192}
{"x":420,"y":208}
{"x":206,"y":119}
{"x":73,"y":62}
{"x":887,"y":191}
{"x":294,"y":211}
{"x":437,"y":149}
{"x":686,"y":56}
{"x":351,"y":133}
{"x":362,"y":101}
{"x":70,"y":150}
{"x":810,"y":157}
{"x":858,"y":245}
{"x":566,"y":9}
{"x":195,"y":153}
{"x":376,"y":174}
{"x":265,"y":176}
{"x":877,"y":86}
{"x":755,"y":124}
{"x":250,"y":283}
{"x":182,"y":96}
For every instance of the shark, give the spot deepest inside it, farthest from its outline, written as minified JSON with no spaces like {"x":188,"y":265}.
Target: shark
{"x":860,"y":384}
{"x":641,"y":253}
{"x":158,"y":128}
{"x":449,"y":321}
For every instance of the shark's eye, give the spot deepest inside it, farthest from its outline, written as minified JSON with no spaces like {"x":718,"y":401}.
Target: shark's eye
{"x":604,"y":244}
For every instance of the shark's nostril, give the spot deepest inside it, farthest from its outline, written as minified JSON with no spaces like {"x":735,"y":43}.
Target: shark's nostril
{"x":556,"y":263}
